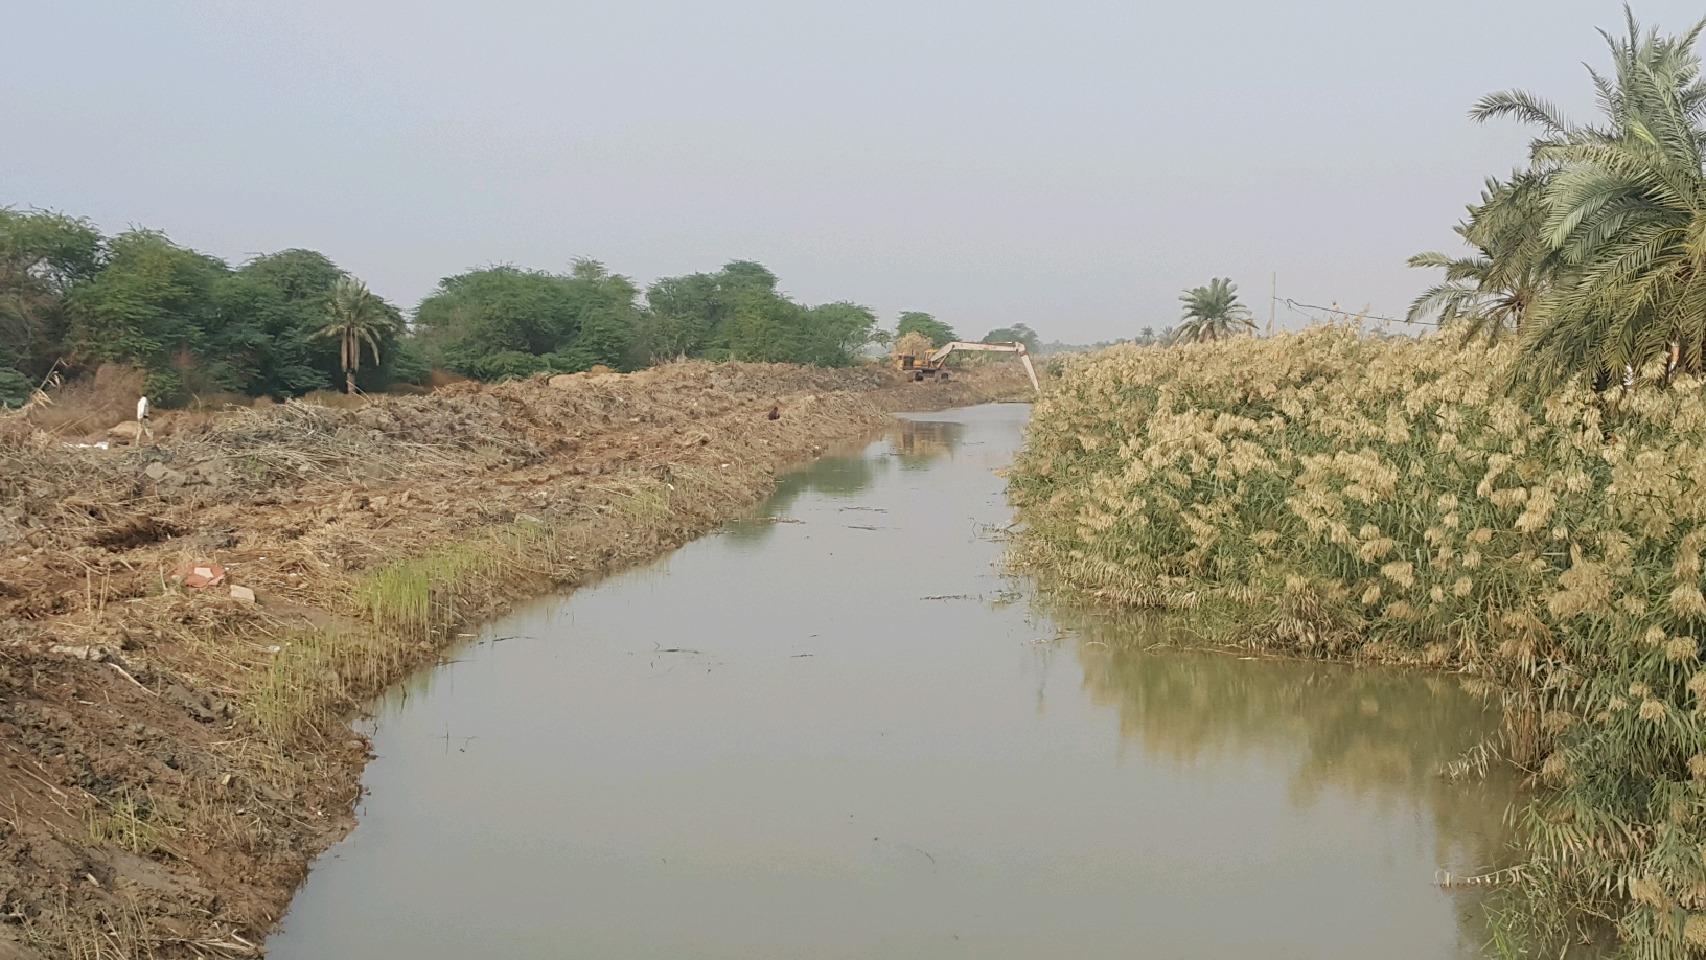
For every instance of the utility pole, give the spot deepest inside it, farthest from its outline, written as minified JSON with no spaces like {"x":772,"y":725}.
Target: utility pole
{"x":1273,"y":299}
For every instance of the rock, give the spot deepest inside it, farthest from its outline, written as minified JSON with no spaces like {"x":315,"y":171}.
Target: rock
{"x":243,"y":594}
{"x":95,"y":652}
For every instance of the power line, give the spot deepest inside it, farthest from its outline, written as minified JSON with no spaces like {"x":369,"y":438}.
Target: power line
{"x":1296,"y":305}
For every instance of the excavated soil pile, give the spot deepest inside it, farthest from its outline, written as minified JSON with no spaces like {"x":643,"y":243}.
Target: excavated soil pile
{"x":174,"y":673}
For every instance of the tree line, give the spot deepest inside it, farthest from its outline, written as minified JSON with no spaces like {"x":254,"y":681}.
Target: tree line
{"x":286,"y":323}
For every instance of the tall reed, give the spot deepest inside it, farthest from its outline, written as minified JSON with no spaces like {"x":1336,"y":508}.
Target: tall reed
{"x":1343,"y":495}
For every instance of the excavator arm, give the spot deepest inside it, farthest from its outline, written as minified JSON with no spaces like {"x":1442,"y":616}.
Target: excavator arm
{"x":940,"y":355}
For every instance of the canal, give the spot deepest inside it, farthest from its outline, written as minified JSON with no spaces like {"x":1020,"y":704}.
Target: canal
{"x":837,"y":729}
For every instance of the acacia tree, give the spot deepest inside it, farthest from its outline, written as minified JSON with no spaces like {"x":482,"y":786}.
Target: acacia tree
{"x":917,"y":321}
{"x":272,"y":310}
{"x":1018,"y":332}
{"x":153,"y":304}
{"x":357,"y":317}
{"x":1212,"y":313}
{"x":43,"y":256}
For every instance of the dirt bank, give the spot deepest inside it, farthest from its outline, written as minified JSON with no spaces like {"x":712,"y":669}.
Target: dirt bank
{"x":172,"y":758}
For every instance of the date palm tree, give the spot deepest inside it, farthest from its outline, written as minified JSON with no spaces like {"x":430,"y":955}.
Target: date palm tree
{"x":1212,"y":313}
{"x":1488,"y":294}
{"x":357,"y":317}
{"x":1625,"y":215}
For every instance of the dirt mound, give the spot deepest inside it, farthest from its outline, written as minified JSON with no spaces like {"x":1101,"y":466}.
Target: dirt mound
{"x":174,"y":757}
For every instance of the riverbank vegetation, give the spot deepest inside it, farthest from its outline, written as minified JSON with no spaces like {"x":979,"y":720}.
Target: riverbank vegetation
{"x":1520,"y":496}
{"x":72,"y":299}
{"x":1336,"y":495}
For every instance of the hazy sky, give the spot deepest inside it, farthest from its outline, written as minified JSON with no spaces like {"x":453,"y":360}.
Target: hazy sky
{"x":1070,"y":165}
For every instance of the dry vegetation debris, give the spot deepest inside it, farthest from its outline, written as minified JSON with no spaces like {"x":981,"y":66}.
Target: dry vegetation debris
{"x":171,"y":759}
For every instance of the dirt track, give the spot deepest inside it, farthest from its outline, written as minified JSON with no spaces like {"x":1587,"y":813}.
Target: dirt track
{"x":171,"y":759}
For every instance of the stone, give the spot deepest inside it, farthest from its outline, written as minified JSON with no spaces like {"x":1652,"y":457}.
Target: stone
{"x":243,"y":594}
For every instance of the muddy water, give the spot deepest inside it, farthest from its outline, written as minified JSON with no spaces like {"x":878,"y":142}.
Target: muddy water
{"x":837,"y":731}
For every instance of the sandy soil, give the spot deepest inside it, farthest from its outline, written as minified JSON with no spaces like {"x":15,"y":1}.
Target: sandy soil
{"x":172,"y":758}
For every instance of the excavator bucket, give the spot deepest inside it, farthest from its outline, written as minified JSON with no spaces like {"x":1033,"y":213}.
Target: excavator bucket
{"x":1030,"y":371}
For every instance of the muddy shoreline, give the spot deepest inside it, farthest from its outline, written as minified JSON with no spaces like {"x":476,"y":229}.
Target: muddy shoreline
{"x":172,"y":759}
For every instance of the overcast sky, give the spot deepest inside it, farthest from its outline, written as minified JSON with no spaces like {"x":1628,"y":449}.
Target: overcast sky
{"x":1070,"y":165}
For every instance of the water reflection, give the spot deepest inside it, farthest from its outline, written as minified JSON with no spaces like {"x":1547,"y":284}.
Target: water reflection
{"x":1381,"y":734}
{"x":916,"y":442}
{"x":843,"y":473}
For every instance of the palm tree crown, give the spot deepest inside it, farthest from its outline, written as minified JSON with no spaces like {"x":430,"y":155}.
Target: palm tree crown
{"x":1213,"y":313}
{"x":357,"y":317}
{"x":1488,"y":294}
{"x":1618,"y":251}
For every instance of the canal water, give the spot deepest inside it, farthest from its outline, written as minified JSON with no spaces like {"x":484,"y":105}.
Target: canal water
{"x":837,"y":730}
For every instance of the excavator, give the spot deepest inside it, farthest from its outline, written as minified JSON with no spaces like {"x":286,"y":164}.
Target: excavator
{"x":923,"y":367}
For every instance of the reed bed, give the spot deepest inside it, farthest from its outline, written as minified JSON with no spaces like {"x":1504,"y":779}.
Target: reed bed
{"x":1335,"y":494}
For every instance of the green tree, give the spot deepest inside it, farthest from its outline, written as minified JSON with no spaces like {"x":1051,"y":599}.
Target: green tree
{"x":273,"y":308}
{"x":503,"y":322}
{"x":837,"y":332}
{"x":765,"y":327}
{"x":737,"y":313}
{"x":705,"y":314}
{"x":357,"y":318}
{"x":747,"y":276}
{"x":15,"y":388}
{"x":1017,"y":332}
{"x":604,"y":317}
{"x":681,"y":319}
{"x":1212,"y":313}
{"x":43,"y":256}
{"x":914,"y":321}
{"x":152,"y":304}
{"x":497,"y":312}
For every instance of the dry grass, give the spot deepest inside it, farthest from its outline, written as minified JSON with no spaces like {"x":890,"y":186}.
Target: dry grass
{"x":129,"y":824}
{"x":91,"y":404}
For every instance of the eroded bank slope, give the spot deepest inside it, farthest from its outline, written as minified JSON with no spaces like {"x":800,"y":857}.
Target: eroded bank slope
{"x":172,"y":758}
